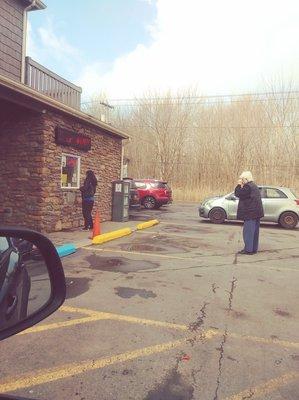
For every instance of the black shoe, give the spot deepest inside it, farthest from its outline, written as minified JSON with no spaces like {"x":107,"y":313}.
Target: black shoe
{"x":246,"y":252}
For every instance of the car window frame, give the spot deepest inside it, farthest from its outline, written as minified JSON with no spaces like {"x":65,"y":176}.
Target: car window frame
{"x":8,"y":246}
{"x":140,"y":183}
{"x":277,"y":190}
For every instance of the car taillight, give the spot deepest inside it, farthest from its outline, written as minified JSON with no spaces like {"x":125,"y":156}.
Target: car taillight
{"x":297,"y":202}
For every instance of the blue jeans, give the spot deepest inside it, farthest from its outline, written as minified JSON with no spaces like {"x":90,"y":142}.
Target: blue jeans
{"x":251,"y":230}
{"x":87,"y":207}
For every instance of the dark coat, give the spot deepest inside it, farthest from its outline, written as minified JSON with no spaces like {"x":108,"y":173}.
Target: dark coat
{"x":88,"y":189}
{"x":250,"y":202}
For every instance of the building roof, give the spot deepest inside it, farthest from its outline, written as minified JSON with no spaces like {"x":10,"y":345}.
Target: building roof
{"x":36,"y":4}
{"x":23,"y":95}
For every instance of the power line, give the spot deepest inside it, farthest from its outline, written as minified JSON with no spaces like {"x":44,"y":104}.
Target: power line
{"x":277,"y":166}
{"x":214,"y":127}
{"x":204,"y":97}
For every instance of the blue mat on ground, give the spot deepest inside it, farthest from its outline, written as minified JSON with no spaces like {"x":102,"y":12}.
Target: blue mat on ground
{"x":66,"y":249}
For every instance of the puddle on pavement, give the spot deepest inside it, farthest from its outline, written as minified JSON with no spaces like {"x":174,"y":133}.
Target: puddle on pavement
{"x":142,"y":218}
{"x":187,"y":229}
{"x":173,"y":388}
{"x":119,"y":264}
{"x":163,"y":244}
{"x":282,"y":313}
{"x":142,"y":247}
{"x":76,"y":286}
{"x":237,"y":314}
{"x":127,"y":292}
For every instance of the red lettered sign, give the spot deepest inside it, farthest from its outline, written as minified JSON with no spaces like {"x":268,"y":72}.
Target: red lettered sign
{"x":68,"y":138}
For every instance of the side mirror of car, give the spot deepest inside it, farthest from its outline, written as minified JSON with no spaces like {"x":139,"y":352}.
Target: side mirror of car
{"x":32,"y":282}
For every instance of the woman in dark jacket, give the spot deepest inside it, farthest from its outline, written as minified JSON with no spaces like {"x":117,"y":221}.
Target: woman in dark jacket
{"x":88,"y":191}
{"x":250,"y":210}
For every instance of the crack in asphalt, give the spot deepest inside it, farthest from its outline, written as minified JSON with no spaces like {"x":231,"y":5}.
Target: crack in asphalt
{"x":235,"y":262}
{"x":231,"y":293}
{"x":194,"y":326}
{"x":214,"y":287}
{"x":224,"y":338}
{"x":221,"y":350}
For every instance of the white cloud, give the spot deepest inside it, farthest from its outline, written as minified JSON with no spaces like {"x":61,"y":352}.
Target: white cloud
{"x":58,"y":46}
{"x":222,"y":46}
{"x":44,"y":44}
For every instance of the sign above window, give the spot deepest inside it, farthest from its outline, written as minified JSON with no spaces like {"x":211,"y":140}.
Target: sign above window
{"x":68,"y":138}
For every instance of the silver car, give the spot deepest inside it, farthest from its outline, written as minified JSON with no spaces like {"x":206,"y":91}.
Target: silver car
{"x":281,"y":205}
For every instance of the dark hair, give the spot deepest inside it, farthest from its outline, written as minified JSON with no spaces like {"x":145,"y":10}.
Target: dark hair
{"x":91,"y":176}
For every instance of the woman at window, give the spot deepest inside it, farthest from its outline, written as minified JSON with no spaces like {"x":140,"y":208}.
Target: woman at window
{"x":88,"y":191}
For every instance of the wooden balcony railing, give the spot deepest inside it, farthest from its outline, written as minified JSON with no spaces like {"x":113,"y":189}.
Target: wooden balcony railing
{"x":47,"y":82}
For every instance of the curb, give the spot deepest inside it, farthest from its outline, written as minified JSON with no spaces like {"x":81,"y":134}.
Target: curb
{"x":147,"y":224}
{"x":106,"y":237}
{"x":70,"y":248}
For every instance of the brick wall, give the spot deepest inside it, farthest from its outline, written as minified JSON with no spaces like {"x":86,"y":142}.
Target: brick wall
{"x":11,"y":38}
{"x":30,"y":171}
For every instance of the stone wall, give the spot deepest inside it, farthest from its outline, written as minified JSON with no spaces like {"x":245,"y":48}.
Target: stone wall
{"x":30,"y":171}
{"x":21,"y":147}
{"x":63,"y":206}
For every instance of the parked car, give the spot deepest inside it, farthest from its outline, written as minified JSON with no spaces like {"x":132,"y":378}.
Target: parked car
{"x":134,"y":199}
{"x":153,"y":193}
{"x":281,"y":205}
{"x":14,"y":282}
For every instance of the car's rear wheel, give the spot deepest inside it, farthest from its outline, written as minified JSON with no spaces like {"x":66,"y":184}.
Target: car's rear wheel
{"x":217,"y":215}
{"x":149,"y":202}
{"x":288,"y":220}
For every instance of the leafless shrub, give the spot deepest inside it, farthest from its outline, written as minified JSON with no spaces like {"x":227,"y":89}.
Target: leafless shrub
{"x":201,"y":145}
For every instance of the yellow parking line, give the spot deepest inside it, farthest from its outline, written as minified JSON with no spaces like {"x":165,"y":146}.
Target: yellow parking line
{"x":143,"y":321}
{"x":137,"y":253}
{"x":265,"y":388}
{"x":126,"y":318}
{"x":68,"y":370}
{"x":79,"y":310}
{"x":62,"y":324}
{"x":93,"y":316}
{"x":283,"y":343}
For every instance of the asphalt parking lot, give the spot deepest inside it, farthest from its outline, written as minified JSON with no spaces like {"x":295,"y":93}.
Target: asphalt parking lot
{"x":171,"y":312}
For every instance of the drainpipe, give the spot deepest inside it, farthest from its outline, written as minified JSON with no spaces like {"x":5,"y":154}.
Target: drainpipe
{"x":122,"y":160}
{"x":30,"y":7}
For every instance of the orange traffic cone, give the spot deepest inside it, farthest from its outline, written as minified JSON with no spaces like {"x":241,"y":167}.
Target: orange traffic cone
{"x":96,"y":225}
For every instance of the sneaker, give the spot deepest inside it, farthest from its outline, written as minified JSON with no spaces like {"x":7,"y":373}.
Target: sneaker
{"x":84,"y":229}
{"x":245,"y":252}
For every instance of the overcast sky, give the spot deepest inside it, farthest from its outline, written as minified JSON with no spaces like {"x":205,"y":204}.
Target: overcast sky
{"x":125,"y":47}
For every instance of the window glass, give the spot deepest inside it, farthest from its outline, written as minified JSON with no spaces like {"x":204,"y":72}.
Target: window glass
{"x":263,"y":192}
{"x":133,"y":185}
{"x":140,"y":185}
{"x":4,"y":245}
{"x":70,"y":171}
{"x":159,"y":185}
{"x":275,"y":194}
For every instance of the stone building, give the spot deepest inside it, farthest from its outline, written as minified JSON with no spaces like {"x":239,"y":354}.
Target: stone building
{"x":46,"y":142}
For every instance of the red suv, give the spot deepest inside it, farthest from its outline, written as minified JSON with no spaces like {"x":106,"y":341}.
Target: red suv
{"x":153,"y":193}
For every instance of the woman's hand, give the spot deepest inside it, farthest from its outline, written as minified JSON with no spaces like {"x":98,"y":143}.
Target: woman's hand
{"x":240,"y":182}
